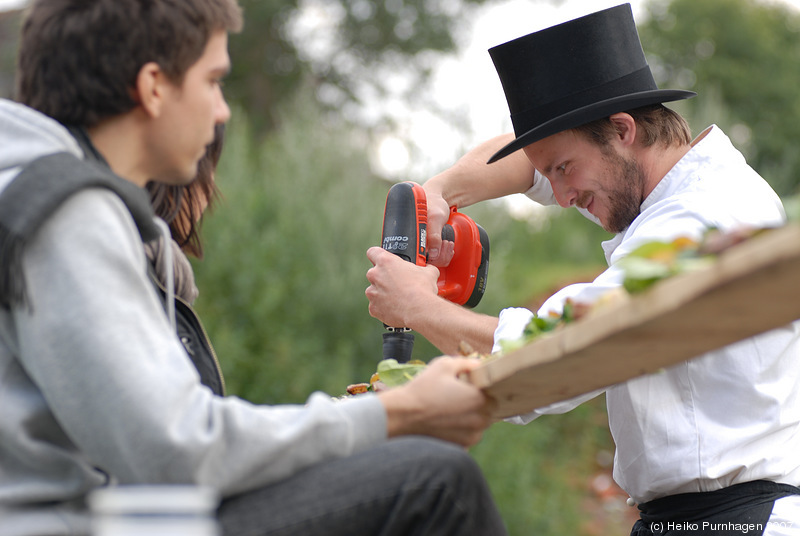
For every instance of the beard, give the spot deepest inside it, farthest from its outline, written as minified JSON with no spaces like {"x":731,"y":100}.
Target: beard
{"x":626,"y":200}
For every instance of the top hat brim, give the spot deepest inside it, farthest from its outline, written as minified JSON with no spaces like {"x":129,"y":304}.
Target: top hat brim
{"x":592,"y":112}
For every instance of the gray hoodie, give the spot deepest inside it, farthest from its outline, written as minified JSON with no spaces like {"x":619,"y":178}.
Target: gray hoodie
{"x":95,"y":387}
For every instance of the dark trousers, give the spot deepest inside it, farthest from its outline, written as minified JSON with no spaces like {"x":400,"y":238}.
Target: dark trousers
{"x":405,"y":487}
{"x":732,"y":511}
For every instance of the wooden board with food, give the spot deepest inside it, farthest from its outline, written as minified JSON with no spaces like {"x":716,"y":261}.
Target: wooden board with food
{"x":746,"y":289}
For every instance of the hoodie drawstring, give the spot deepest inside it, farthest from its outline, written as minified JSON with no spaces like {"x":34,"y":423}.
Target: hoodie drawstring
{"x":170,"y":274}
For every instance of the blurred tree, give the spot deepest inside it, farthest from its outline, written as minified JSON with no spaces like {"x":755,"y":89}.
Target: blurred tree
{"x":282,"y":282}
{"x":741,"y":57}
{"x":348,"y":49}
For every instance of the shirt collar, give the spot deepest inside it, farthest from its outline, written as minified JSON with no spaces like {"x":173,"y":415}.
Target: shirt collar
{"x":684,"y":169}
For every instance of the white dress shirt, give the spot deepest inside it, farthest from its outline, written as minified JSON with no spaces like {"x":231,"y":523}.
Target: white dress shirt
{"x":728,"y":416}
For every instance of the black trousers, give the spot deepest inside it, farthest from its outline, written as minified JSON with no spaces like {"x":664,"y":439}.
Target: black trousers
{"x":741,"y":509}
{"x":405,"y":487}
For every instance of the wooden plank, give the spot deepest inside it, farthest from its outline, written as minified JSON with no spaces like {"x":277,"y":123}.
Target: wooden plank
{"x":749,"y":289}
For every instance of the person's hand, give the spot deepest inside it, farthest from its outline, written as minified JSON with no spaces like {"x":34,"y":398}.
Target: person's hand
{"x":439,"y":403}
{"x":440,"y":252}
{"x":398,"y":289}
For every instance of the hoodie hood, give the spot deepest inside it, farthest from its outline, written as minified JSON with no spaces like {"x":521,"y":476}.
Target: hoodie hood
{"x":26,"y":135}
{"x":47,"y":167}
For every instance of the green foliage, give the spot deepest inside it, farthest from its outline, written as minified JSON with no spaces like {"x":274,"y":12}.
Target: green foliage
{"x":282,"y":283}
{"x":741,"y":57}
{"x":393,"y":373}
{"x":539,"y":473}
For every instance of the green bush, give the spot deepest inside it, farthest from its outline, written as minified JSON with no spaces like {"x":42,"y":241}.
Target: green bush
{"x":283,"y":278}
{"x":282,"y":297}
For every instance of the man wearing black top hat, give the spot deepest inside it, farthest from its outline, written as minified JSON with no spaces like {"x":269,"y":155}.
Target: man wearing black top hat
{"x":710,"y":446}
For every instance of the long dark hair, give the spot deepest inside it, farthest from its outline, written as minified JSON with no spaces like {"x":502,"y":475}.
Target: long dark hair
{"x":182,"y":207}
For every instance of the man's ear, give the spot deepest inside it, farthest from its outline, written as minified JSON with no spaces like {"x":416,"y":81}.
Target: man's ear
{"x":150,"y":90}
{"x":625,"y":126}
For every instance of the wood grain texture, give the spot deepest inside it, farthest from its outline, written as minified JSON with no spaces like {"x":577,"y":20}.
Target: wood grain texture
{"x":751,"y":288}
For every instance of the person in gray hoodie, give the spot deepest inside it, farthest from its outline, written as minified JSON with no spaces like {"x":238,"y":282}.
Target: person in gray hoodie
{"x":96,"y":389}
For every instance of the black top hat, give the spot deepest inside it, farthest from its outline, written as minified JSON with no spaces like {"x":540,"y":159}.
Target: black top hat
{"x":573,"y":73}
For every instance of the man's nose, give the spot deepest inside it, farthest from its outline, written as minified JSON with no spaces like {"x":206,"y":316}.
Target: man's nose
{"x":565,"y":195}
{"x":223,"y":111}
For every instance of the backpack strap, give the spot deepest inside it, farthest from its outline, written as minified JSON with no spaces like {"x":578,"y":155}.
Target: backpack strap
{"x":36,"y":192}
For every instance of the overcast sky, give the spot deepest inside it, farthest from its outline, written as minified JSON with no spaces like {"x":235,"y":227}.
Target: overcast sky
{"x":10,"y":4}
{"x":468,"y":83}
